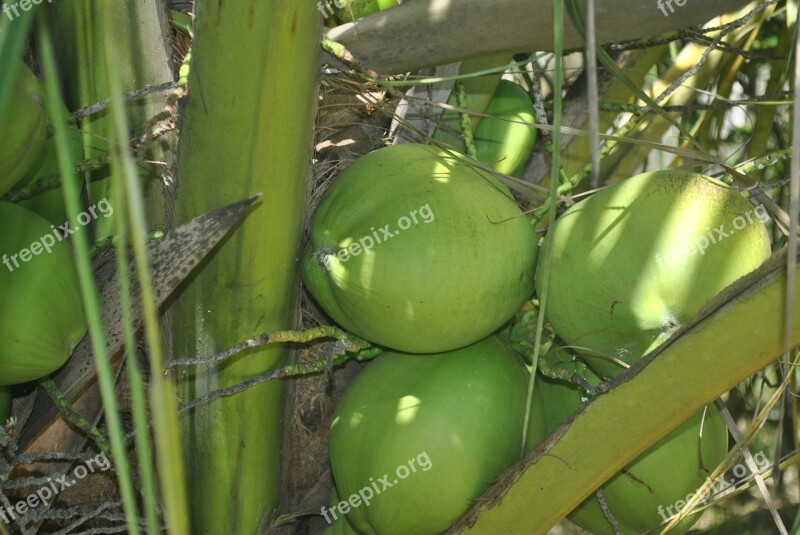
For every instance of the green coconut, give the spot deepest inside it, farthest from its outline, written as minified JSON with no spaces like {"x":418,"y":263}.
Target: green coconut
{"x":437,"y":428}
{"x":42,"y":319}
{"x":636,"y":261}
{"x":24,"y":128}
{"x":660,"y":481}
{"x":50,"y":203}
{"x":416,"y":249}
{"x":652,"y":487}
{"x":502,"y":141}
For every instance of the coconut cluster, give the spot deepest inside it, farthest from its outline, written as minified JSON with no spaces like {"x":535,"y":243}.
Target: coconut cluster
{"x":420,"y":251}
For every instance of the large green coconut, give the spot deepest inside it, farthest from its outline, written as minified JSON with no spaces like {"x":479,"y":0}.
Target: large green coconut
{"x":654,"y":486}
{"x":658,"y":483}
{"x":634,"y":262}
{"x":42,"y":316}
{"x":416,"y":438}
{"x":416,"y":249}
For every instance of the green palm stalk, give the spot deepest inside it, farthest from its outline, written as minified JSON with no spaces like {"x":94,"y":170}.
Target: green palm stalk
{"x":248,"y":129}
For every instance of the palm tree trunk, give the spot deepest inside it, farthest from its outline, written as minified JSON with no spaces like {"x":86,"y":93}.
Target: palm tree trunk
{"x":248,"y":129}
